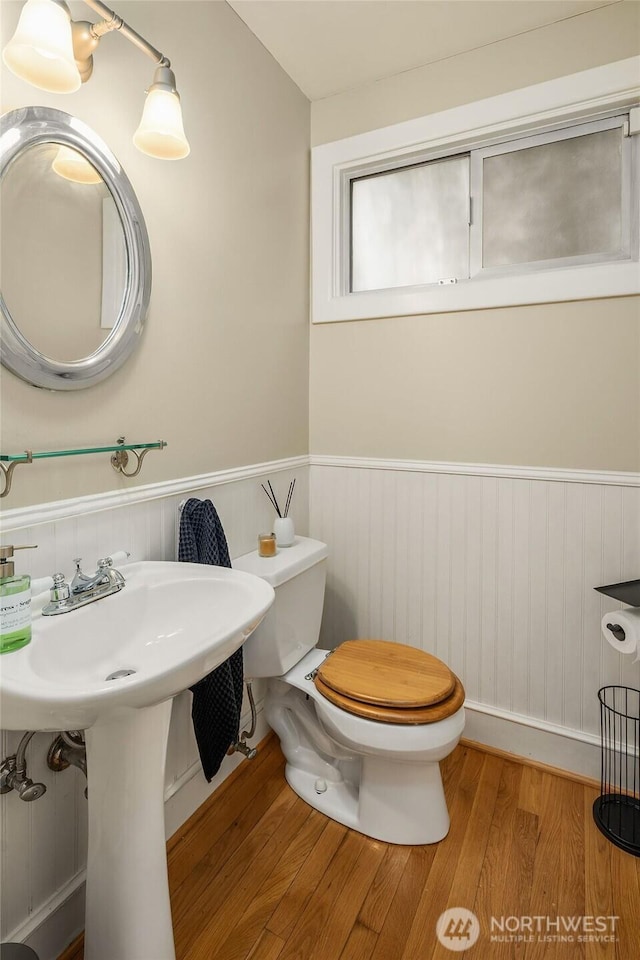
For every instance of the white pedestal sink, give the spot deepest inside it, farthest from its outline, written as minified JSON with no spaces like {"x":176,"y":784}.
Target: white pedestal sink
{"x":171,"y":625}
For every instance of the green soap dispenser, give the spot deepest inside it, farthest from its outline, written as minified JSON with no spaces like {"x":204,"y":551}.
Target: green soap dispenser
{"x":15,"y":603}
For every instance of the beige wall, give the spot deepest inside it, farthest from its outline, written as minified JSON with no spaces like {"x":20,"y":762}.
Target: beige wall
{"x":549,"y":385}
{"x":222,"y":370}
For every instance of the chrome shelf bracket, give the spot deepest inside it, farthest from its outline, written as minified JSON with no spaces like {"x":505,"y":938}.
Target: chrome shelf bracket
{"x":7,"y":472}
{"x":120,"y":458}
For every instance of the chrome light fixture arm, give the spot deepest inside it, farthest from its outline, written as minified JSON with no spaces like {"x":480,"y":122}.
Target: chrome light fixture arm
{"x":60,"y":58}
{"x":112,"y":21}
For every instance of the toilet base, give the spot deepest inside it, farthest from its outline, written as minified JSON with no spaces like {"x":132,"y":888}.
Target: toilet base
{"x":339,"y":800}
{"x":401,"y":802}
{"x":395,"y":797}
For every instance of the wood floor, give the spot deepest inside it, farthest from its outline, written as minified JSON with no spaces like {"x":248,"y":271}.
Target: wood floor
{"x":258,"y":874}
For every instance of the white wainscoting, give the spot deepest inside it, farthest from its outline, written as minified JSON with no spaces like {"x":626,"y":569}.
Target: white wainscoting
{"x":492,"y":569}
{"x":44,"y":843}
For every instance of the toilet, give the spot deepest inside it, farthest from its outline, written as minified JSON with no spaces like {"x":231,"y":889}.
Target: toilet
{"x":362,"y":727}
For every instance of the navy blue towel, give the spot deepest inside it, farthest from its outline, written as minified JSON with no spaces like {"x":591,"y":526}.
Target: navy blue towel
{"x":217,"y":698}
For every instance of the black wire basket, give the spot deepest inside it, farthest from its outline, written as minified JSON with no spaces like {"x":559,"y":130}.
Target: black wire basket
{"x":617,"y":809}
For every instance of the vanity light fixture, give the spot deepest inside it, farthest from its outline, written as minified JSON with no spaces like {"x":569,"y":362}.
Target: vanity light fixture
{"x":161,"y":133}
{"x":41,"y":49}
{"x":55,"y":53}
{"x":71,"y":165}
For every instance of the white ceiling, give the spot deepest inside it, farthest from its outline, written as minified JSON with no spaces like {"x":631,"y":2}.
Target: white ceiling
{"x":328,"y":46}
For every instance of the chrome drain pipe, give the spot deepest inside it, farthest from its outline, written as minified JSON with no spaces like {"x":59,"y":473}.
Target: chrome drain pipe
{"x":68,"y":749}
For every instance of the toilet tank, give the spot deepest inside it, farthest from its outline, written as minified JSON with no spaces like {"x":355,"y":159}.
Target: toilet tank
{"x":292,"y":625}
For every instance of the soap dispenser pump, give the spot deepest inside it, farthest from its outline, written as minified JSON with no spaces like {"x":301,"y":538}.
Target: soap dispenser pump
{"x":15,"y":602}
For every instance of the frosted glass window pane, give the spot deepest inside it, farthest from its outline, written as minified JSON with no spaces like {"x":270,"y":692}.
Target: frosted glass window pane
{"x":559,"y":199}
{"x":410,"y":226}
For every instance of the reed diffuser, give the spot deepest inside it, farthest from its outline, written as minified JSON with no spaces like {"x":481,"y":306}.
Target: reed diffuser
{"x":283,"y":524}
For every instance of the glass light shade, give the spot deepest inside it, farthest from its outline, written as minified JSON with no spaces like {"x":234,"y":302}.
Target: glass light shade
{"x":41,"y":50}
{"x":161,"y":133}
{"x":73,"y":166}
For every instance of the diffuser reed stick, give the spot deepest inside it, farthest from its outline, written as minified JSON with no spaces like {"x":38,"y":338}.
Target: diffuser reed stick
{"x":274,"y":502}
{"x":288,"y":504}
{"x":272,"y":498}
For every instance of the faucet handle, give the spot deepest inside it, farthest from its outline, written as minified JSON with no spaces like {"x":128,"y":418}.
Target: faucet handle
{"x":60,"y":589}
{"x":107,"y":569}
{"x":78,"y":576}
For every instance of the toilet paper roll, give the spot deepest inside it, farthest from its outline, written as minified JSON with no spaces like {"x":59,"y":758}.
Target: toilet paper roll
{"x":40,"y":585}
{"x":623,"y":620}
{"x":120,"y":558}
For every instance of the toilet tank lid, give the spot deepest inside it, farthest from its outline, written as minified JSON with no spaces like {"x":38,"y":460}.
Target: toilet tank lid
{"x":287,"y":563}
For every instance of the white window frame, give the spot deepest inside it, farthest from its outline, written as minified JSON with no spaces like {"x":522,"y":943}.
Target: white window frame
{"x":588,"y":96}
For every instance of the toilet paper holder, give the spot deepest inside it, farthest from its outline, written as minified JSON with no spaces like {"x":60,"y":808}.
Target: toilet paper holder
{"x":627,"y":592}
{"x":617,"y":631}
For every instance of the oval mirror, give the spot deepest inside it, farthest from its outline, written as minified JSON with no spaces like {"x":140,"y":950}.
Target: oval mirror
{"x":76,"y":264}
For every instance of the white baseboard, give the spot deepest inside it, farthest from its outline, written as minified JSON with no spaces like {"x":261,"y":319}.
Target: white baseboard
{"x":57,"y":923}
{"x":531,"y":739}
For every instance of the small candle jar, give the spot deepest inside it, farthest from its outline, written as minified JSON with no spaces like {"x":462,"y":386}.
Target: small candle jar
{"x":267,"y":545}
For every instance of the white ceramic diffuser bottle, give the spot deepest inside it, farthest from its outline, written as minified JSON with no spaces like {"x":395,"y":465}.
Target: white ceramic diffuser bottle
{"x":284,"y":531}
{"x":283,"y":524}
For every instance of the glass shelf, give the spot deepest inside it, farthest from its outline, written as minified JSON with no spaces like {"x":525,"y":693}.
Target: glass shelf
{"x":29,"y":455}
{"x":119,"y":458}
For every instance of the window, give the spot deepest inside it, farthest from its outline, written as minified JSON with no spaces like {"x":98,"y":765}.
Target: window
{"x":554,"y":199}
{"x":543,"y":201}
{"x":528,"y":210}
{"x":410,"y":226}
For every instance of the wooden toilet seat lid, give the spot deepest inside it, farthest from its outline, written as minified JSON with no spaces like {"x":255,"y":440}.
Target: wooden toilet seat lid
{"x":403,"y":715}
{"x":386,"y":674}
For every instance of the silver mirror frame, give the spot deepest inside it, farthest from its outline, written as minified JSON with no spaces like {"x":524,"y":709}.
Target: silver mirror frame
{"x":24,"y":128}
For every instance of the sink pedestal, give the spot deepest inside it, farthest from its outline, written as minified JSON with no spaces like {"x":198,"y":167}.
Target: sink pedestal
{"x":128,"y":914}
{"x":171,"y":626}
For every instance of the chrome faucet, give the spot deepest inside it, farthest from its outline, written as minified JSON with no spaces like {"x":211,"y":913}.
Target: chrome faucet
{"x":104,"y":576}
{"x":84,"y":589}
